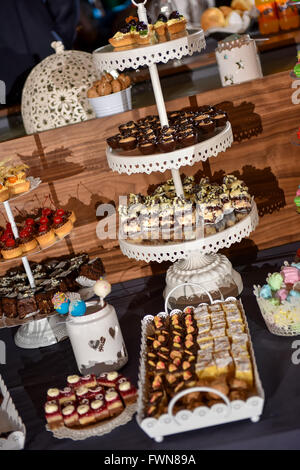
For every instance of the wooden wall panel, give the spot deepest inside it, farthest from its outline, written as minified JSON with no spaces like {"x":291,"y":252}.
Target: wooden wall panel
{"x":72,"y":164}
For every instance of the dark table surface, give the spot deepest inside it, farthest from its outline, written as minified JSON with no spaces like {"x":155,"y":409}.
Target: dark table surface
{"x":29,"y":373}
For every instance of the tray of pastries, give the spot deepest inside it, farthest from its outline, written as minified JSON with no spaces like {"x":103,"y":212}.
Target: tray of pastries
{"x":186,"y":128}
{"x":197,"y":369}
{"x":19,"y":303}
{"x":90,"y":406}
{"x":14,"y":181}
{"x":206,"y":208}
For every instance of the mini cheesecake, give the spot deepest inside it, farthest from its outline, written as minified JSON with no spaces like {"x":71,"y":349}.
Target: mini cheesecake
{"x":89,"y":381}
{"x":82,"y":392}
{"x":53,"y":394}
{"x":53,"y":415}
{"x":11,"y":249}
{"x":70,"y":416}
{"x":66,"y":395}
{"x":86,"y":415}
{"x":99,"y":409}
{"x":109,"y":379}
{"x":74,"y":381}
{"x":114,"y":402}
{"x":127,"y":391}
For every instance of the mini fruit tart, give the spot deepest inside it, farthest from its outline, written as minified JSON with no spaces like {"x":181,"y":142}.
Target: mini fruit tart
{"x":27,"y":240}
{"x":45,"y":236}
{"x":176,"y":23}
{"x":61,"y":226}
{"x":123,"y":38}
{"x":4,"y":192}
{"x":160,"y":26}
{"x":17,"y":185}
{"x":11,"y":249}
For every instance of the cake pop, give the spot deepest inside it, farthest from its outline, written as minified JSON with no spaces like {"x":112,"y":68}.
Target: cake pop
{"x":102,"y":288}
{"x":77,"y":306}
{"x":61,"y":303}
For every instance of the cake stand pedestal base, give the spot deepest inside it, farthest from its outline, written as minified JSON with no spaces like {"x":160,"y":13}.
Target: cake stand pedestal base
{"x":41,"y":333}
{"x":214,"y":272}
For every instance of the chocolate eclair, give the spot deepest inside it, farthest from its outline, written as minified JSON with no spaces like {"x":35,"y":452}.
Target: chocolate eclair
{"x":113,"y":141}
{"x":128,"y":142}
{"x":166,"y":143}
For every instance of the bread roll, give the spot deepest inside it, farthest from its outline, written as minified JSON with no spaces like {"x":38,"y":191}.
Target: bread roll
{"x":116,"y":86}
{"x":234,"y":19}
{"x":212,"y":18}
{"x":225,"y":10}
{"x":92,"y":93}
{"x":104,"y":88}
{"x":244,"y":5}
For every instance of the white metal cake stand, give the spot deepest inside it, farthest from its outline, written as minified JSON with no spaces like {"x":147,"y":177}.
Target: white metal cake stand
{"x":196,"y":261}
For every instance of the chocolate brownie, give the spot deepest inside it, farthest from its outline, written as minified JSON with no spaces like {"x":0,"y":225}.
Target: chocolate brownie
{"x":26,"y":303}
{"x":44,"y":304}
{"x":93,"y":270}
{"x":9,"y":305}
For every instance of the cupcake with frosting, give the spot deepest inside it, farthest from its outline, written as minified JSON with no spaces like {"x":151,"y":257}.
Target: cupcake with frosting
{"x":279,"y":300}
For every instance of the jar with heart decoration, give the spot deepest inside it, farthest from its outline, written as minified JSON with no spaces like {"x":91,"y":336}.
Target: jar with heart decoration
{"x":97,"y":340}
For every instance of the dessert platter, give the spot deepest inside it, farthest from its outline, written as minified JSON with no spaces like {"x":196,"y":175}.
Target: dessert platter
{"x":197,"y":369}
{"x":170,"y":141}
{"x":19,"y":303}
{"x":90,"y":406}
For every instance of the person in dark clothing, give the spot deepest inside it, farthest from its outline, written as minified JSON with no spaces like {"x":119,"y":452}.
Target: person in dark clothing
{"x":27,"y":29}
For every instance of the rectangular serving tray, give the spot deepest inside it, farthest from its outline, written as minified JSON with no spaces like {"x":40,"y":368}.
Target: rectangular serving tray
{"x":201,"y":417}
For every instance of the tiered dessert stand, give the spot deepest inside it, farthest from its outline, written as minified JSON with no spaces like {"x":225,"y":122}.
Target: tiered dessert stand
{"x":46,"y":331}
{"x":194,"y":261}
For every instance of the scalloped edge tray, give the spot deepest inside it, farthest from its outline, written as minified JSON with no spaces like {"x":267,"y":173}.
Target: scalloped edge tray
{"x":130,"y":164}
{"x":203,"y":416}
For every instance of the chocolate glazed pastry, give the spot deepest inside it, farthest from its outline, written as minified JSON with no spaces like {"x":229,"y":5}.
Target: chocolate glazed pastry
{"x":147,"y":146}
{"x":113,"y":141}
{"x":220,"y":118}
{"x":166,"y":144}
{"x":127,"y":142}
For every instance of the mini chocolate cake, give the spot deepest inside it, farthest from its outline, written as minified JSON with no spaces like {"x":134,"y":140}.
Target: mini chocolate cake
{"x":166,"y":144}
{"x":44,"y":304}
{"x":220,"y":118}
{"x":128,"y":142}
{"x":147,"y":146}
{"x":129,"y":126}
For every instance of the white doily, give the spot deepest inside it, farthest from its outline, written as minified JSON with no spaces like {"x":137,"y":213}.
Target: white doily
{"x":211,"y":244}
{"x":96,"y":430}
{"x":108,"y":58}
{"x":170,"y":160}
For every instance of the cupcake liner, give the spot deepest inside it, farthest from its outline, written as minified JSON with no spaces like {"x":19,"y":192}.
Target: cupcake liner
{"x":281,"y":320}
